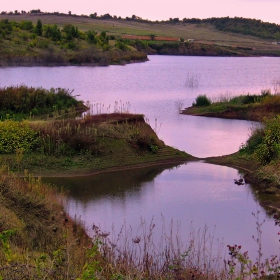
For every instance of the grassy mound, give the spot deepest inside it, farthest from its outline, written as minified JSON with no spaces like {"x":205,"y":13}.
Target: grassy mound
{"x":90,"y":144}
{"x":247,"y":107}
{"x":39,"y":131}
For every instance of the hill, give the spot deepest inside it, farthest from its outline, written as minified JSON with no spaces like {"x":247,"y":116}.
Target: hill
{"x":236,"y":35}
{"x":23,"y":43}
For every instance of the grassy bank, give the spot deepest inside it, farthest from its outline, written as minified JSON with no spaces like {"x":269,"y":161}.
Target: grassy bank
{"x":246,"y":107}
{"x":37,"y":238}
{"x":39,"y":133}
{"x":39,"y":241}
{"x":90,"y":144}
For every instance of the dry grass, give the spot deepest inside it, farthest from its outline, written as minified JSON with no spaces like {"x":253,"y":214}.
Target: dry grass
{"x":38,"y":240}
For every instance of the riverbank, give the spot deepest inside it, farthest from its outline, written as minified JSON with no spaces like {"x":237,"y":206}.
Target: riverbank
{"x":98,"y":143}
{"x":252,"y":111}
{"x":39,"y":239}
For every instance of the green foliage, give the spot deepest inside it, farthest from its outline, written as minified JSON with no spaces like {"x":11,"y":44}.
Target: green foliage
{"x":23,"y":100}
{"x":70,"y":31}
{"x":24,"y":44}
{"x":121,"y":45}
{"x":26,"y":25}
{"x":202,"y":100}
{"x":5,"y":236}
{"x":154,"y":149}
{"x":269,"y":148}
{"x":253,"y":142}
{"x":103,"y":41}
{"x":6,"y":26}
{"x":39,"y":28}
{"x":16,"y":135}
{"x":92,"y":266}
{"x":264,"y":143}
{"x":246,"y":26}
{"x":90,"y":37}
{"x":52,"y":32}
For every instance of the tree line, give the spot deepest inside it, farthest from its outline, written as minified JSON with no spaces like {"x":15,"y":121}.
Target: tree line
{"x":64,"y":36}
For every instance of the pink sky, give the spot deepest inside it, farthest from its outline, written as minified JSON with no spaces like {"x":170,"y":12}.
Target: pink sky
{"x":266,"y":10}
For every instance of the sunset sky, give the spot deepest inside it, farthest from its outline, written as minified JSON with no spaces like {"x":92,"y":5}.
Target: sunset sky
{"x":266,"y":10}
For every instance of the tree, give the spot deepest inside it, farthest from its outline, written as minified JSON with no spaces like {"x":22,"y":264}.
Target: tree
{"x":71,"y":32}
{"x":91,"y":37}
{"x":39,"y":28}
{"x":93,"y":15}
{"x":152,"y":36}
{"x":35,"y":11}
{"x":53,"y":32}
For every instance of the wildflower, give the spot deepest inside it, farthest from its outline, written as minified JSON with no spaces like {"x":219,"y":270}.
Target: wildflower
{"x":136,"y":239}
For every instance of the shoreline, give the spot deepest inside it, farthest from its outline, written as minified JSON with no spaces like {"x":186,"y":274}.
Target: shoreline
{"x":85,"y":173}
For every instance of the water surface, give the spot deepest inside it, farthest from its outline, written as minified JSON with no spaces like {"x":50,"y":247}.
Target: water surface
{"x":194,"y":194}
{"x":153,"y":87}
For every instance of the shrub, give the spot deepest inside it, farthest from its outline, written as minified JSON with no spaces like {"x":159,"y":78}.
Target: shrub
{"x":202,"y":100}
{"x":16,"y":135}
{"x":253,"y":142}
{"x":26,"y":100}
{"x":269,"y":148}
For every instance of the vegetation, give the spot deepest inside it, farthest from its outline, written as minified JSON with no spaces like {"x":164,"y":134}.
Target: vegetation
{"x":23,"y":43}
{"x":22,"y":102}
{"x":246,"y":26}
{"x":37,"y":239}
{"x":39,"y":132}
{"x":253,"y":107}
{"x":170,"y":37}
{"x":202,"y":100}
{"x":264,"y":143}
{"x":240,"y":25}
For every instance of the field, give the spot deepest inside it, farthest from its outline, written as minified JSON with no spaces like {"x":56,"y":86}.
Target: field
{"x":204,"y":33}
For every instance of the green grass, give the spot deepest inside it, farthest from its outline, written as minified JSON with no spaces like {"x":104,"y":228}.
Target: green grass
{"x":250,"y":106}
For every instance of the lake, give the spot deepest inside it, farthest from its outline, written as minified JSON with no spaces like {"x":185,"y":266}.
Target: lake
{"x":195,"y":194}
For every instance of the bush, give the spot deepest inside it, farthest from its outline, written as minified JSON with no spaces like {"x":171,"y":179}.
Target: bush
{"x":269,"y":148}
{"x":16,"y":135}
{"x":253,"y":142}
{"x":26,"y":100}
{"x":202,"y":100}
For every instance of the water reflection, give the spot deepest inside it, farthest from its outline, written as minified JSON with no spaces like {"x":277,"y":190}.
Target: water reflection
{"x":109,"y":184}
{"x":194,"y":195}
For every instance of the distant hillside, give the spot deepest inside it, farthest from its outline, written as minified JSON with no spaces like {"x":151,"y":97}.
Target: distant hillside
{"x":246,"y":26}
{"x":213,"y":36}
